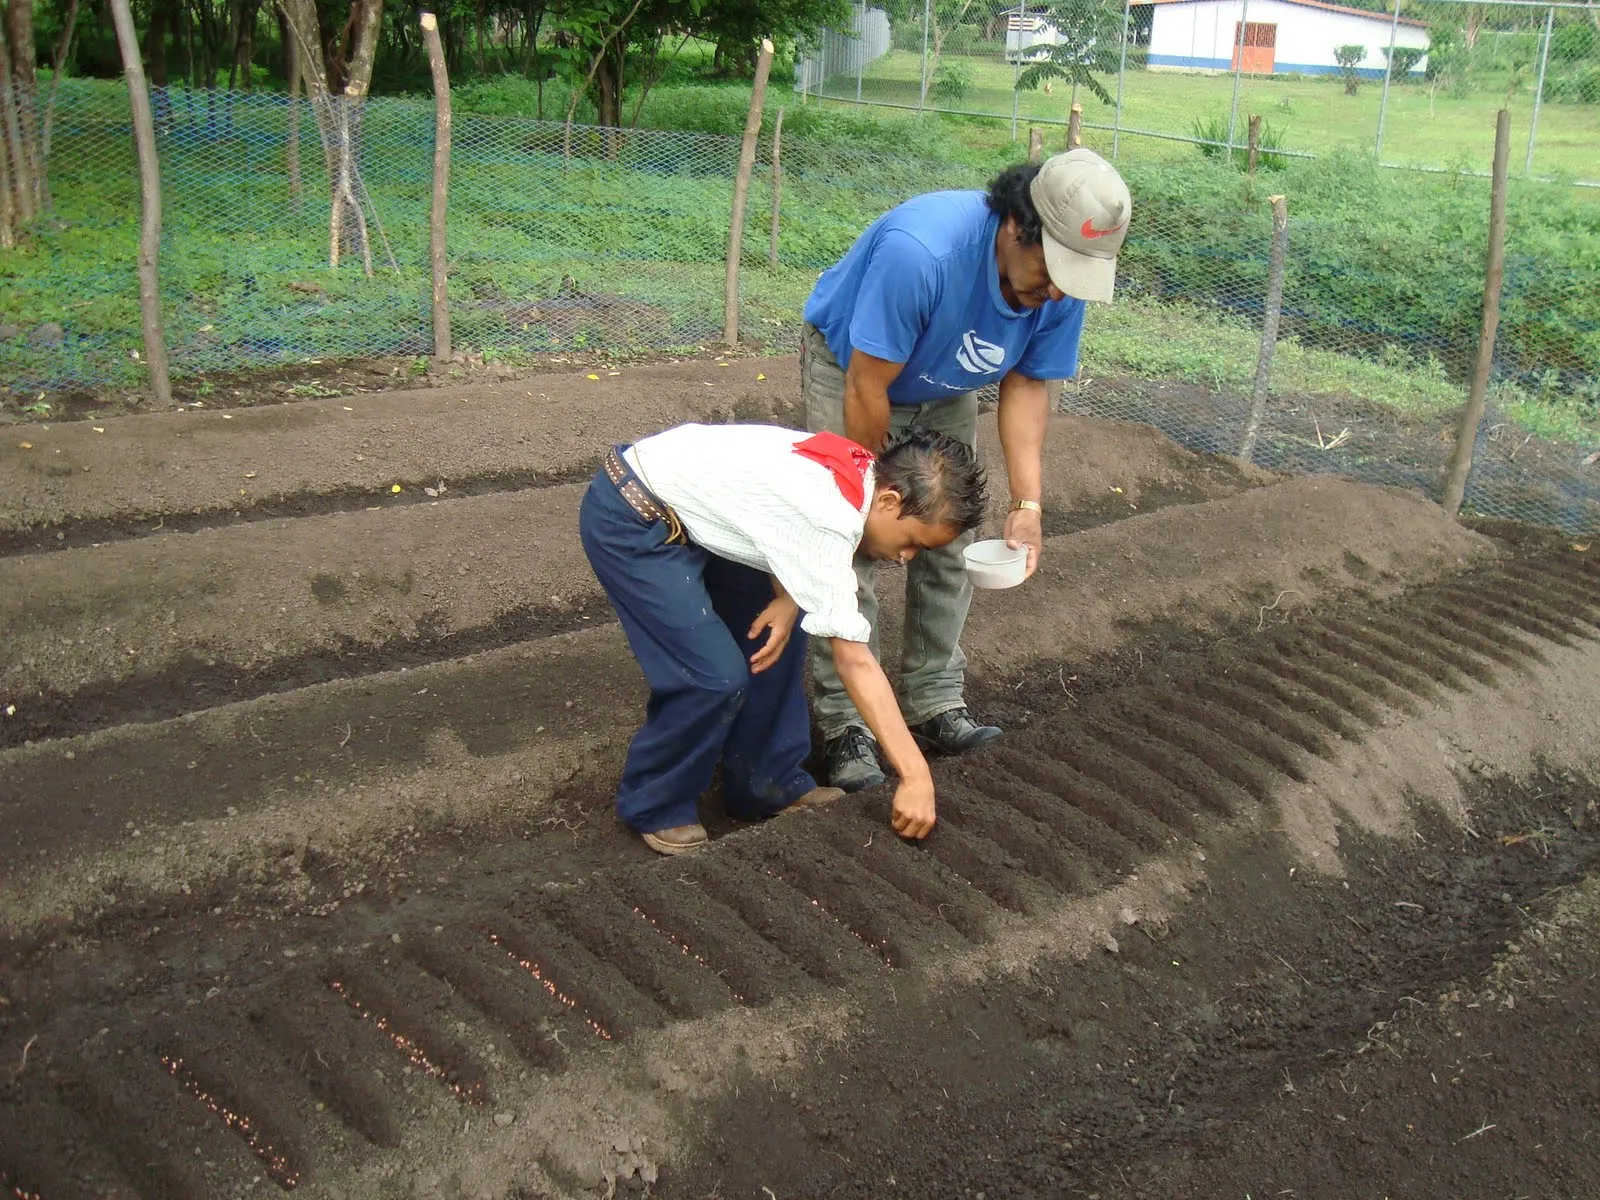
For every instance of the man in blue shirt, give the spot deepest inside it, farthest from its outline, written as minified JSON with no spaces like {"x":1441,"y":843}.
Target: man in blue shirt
{"x":945,"y":294}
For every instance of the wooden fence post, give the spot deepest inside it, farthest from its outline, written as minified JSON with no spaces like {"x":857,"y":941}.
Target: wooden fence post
{"x":1455,"y":480}
{"x":777,"y":190}
{"x":1035,"y":145}
{"x":1075,"y":127}
{"x":741,"y":189}
{"x":1255,"y":140}
{"x":1269,"y":326}
{"x":441,"y":187}
{"x":144,"y":140}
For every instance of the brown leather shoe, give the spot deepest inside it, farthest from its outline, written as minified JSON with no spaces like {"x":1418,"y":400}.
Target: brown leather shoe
{"x":817,"y":797}
{"x":676,"y":840}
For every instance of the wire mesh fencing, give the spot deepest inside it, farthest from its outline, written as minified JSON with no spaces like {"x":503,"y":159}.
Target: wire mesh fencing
{"x":1415,"y":84}
{"x":581,"y":238}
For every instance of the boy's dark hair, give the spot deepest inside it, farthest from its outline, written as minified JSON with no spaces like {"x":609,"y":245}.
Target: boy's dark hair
{"x":937,"y":478}
{"x":1009,"y":197}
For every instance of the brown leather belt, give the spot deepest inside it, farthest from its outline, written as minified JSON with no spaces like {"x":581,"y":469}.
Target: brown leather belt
{"x":638,"y":496}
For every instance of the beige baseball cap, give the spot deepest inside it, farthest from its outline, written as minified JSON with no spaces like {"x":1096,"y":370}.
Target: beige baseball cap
{"x":1085,"y":209}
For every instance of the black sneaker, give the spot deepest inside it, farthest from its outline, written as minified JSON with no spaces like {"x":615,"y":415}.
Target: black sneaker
{"x":953,"y":732}
{"x":853,"y":760}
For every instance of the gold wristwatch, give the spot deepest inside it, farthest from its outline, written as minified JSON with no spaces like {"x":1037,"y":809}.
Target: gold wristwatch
{"x":1030,"y":505}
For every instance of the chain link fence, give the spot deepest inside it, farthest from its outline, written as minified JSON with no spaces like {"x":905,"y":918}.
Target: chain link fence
{"x":1416,"y":83}
{"x":572,"y":239}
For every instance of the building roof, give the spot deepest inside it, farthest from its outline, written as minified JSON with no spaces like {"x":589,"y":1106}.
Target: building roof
{"x":1338,"y":8}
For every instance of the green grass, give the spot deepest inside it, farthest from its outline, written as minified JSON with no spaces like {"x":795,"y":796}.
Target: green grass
{"x":1386,"y":267}
{"x":1314,"y":114}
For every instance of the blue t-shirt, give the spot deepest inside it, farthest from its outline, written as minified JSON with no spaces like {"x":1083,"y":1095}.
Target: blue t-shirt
{"x":921,"y":287}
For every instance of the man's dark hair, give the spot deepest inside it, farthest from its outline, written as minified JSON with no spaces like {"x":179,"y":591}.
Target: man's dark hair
{"x":937,"y":478}
{"x":1009,"y":197}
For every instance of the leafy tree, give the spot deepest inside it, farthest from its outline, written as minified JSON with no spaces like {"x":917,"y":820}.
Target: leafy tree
{"x":1091,"y":43}
{"x":1349,"y":59}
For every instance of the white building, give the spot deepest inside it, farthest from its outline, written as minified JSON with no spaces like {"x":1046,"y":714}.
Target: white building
{"x":1280,"y":36}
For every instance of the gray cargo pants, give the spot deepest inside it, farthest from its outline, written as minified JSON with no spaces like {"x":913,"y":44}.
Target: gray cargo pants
{"x":933,"y":668}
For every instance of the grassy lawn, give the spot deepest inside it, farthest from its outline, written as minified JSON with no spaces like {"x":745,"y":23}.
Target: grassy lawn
{"x":1312,"y":113}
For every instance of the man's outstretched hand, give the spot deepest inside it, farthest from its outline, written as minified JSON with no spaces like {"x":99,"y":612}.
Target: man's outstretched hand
{"x":913,"y":814}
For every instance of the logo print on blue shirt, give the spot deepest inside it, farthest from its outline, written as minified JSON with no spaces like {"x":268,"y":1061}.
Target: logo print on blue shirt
{"x":978,"y":356}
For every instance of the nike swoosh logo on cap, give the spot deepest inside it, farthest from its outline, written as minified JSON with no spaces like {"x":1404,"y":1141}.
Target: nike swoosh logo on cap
{"x":1089,"y":231}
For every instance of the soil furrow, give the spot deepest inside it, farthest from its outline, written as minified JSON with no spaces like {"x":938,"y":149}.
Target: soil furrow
{"x":1483,"y":637}
{"x":1506,"y":602}
{"x":1150,"y":710}
{"x":501,"y":993}
{"x":1408,"y":630}
{"x":1190,"y":775}
{"x":165,"y":1142}
{"x":1543,"y":580}
{"x":594,"y":989}
{"x":1270,"y":658}
{"x":1293,"y":695}
{"x":1049,"y":812}
{"x":981,"y":864}
{"x":1098,"y":800}
{"x":1284,"y":724}
{"x":1250,"y":737}
{"x":1412,"y":652}
{"x":314,"y":1034}
{"x":394,"y":1001}
{"x":786,"y":918}
{"x":921,"y":879}
{"x":609,"y":929}
{"x":1085,"y":751}
{"x":48,"y":1152}
{"x":1400,"y":679}
{"x":754,"y":969}
{"x":1045,"y":854}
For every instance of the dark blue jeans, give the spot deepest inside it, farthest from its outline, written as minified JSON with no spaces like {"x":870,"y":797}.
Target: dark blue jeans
{"x":685,"y":612}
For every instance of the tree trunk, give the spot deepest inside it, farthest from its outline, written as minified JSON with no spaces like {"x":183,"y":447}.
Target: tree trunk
{"x":63,"y":51}
{"x":21,"y":208}
{"x":144,"y":137}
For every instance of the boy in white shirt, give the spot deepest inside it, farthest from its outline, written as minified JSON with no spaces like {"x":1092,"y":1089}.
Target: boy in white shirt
{"x":712,"y":542}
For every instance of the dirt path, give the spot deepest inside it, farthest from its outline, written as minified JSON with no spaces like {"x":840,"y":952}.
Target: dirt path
{"x":319,"y":887}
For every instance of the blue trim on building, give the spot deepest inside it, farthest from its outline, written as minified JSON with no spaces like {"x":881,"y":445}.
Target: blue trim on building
{"x":1282,"y":68}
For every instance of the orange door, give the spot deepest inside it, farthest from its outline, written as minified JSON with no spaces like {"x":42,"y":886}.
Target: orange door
{"x":1259,"y":44}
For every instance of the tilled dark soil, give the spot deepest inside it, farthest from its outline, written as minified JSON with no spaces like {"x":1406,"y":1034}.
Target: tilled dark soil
{"x":1202,"y":924}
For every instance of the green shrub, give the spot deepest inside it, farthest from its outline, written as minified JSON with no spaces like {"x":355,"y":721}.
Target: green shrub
{"x":1575,"y":87}
{"x":1212,"y":133}
{"x":953,"y":80}
{"x":1572,"y":43}
{"x":1403,"y":60}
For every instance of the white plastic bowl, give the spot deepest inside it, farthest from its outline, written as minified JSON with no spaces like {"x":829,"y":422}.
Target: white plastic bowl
{"x":993,"y":564}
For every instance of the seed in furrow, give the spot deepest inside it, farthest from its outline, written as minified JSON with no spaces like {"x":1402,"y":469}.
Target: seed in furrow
{"x":1138,"y":786}
{"x":47,"y":1152}
{"x":1379,"y":661}
{"x":497,"y":989}
{"x":754,"y":970}
{"x":1189,"y":775}
{"x":1331,"y":688}
{"x":869,"y":908}
{"x":613,"y":933}
{"x":594,"y":990}
{"x":313,"y":1033}
{"x":410,"y":1031}
{"x":240,"y":1118}
{"x":1034,"y":845}
{"x":1274,"y":718}
{"x":1243,"y":733}
{"x":1293,"y":695}
{"x":164,"y":1143}
{"x":1099,"y":841}
{"x":921,"y":879}
{"x":1411,"y":632}
{"x":1090,"y":796}
{"x":820,"y":946}
{"x":1482,"y":636}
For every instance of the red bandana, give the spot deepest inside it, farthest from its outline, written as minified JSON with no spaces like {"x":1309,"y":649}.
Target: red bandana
{"x":846,"y":459}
